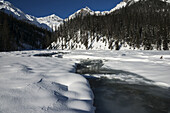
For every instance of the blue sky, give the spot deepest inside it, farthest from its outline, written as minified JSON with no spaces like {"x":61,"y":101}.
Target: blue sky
{"x":62,"y":8}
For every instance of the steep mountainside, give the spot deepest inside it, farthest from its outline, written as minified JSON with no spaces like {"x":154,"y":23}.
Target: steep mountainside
{"x":49,"y":22}
{"x":139,"y":24}
{"x":86,"y":11}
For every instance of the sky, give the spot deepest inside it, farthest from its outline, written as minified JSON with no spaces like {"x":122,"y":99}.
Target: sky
{"x":62,"y":8}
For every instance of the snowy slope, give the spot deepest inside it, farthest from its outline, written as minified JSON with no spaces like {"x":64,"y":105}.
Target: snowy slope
{"x":82,"y":12}
{"x":119,"y":6}
{"x":8,"y":8}
{"x":85,"y":11}
{"x":124,"y":3}
{"x":52,"y":21}
{"x":95,"y":42}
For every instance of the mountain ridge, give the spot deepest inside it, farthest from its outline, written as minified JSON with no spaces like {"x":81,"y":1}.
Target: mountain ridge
{"x":52,"y":21}
{"x":10,"y":9}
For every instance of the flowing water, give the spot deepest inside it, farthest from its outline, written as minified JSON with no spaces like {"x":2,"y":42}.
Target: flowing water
{"x":118,"y":91}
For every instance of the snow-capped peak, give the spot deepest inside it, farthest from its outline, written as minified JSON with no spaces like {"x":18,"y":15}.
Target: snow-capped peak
{"x":87,"y":9}
{"x":129,"y":2}
{"x":119,"y":6}
{"x":8,"y":8}
{"x":83,"y":12}
{"x":52,"y":17}
{"x":52,"y":21}
{"x":123,"y":4}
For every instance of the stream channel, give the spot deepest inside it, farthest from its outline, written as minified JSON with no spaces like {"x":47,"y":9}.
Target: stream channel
{"x":122,"y":91}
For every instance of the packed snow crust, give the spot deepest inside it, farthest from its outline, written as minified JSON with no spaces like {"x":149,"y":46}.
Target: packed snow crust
{"x":33,"y":84}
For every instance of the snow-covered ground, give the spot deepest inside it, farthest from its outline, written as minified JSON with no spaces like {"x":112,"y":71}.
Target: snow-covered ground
{"x":143,"y":63}
{"x":33,"y":84}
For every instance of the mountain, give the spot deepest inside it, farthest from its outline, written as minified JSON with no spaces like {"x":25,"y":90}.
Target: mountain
{"x":51,"y":21}
{"x":125,"y":3}
{"x":132,"y":24}
{"x":8,"y":8}
{"x":86,"y":11}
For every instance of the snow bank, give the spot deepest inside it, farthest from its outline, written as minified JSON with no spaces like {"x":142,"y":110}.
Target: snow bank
{"x":32,"y":84}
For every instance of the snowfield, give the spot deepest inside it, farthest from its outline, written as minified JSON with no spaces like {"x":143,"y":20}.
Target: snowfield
{"x":34,"y":84}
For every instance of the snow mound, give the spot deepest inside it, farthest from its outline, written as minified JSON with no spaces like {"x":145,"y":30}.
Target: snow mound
{"x":41,"y":84}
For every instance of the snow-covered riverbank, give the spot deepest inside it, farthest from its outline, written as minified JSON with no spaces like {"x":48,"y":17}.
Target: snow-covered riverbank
{"x":144,"y":63}
{"x":41,"y":84}
{"x":48,"y":84}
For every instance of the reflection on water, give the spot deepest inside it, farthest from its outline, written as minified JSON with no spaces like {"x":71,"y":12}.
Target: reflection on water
{"x":121,"y":96}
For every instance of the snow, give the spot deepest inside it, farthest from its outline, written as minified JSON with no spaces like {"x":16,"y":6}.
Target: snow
{"x":8,"y":8}
{"x":52,"y":21}
{"x":146,"y":64}
{"x":38,"y":84}
{"x":85,"y":11}
{"x":48,"y":84}
{"x":119,"y":6}
{"x":168,"y":1}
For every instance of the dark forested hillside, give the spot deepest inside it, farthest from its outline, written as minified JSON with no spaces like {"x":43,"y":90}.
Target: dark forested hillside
{"x":145,"y":24}
{"x":19,"y":35}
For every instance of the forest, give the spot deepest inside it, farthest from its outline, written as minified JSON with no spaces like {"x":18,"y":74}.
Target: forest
{"x":20,"y":35}
{"x":145,"y":23}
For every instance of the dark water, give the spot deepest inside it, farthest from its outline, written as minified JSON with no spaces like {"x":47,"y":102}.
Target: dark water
{"x":46,"y":54}
{"x":112,"y":96}
{"x":116,"y":96}
{"x":58,"y":54}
